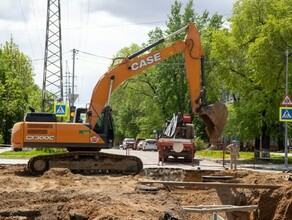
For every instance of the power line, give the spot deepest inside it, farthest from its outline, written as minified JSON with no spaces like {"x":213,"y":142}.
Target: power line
{"x":36,"y":21}
{"x":88,"y":27}
{"x":81,"y":17}
{"x":67,"y":53}
{"x":90,"y":61}
{"x":87,"y":22}
{"x":94,"y":55}
{"x":21,"y":8}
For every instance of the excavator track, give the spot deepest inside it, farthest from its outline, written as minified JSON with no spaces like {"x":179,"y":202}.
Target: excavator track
{"x":86,"y":162}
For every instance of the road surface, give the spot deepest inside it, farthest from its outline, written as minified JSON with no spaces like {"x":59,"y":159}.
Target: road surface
{"x":150,"y":160}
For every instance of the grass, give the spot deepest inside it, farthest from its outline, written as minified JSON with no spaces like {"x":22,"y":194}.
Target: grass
{"x":219,"y":154}
{"x":25,"y":154}
{"x":246,"y":157}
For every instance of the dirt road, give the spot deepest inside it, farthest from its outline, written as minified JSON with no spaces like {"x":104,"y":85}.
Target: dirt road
{"x":59,"y":194}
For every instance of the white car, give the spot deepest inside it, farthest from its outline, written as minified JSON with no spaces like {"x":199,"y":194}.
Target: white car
{"x":129,"y":143}
{"x":140,"y":145}
{"x":149,"y":144}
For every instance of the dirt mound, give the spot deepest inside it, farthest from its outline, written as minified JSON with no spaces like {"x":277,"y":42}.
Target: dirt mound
{"x":60,"y":194}
{"x":57,"y":172}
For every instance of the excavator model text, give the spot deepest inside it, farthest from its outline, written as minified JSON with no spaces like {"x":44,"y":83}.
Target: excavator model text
{"x":84,"y":139}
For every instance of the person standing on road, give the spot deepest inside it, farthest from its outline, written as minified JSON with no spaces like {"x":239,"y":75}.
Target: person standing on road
{"x":233,"y":154}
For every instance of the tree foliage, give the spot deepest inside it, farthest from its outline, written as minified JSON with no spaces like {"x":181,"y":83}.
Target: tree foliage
{"x":250,"y":61}
{"x":17,"y":90}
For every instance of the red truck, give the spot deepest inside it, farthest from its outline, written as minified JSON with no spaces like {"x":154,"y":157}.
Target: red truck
{"x":177,"y":140}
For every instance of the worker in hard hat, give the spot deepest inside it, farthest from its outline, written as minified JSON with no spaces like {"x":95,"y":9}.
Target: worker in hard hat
{"x":234,"y":151}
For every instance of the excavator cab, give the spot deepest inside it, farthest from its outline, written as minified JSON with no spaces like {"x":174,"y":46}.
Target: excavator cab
{"x":214,"y":117}
{"x":103,"y":126}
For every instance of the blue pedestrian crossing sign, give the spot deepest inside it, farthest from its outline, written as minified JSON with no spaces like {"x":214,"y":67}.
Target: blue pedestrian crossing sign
{"x":285,"y":114}
{"x":60,"y":109}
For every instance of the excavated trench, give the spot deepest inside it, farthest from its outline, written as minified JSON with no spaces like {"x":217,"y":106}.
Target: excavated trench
{"x":270,"y":192}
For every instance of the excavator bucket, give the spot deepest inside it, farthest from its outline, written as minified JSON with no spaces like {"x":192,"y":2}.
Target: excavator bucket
{"x":214,"y":117}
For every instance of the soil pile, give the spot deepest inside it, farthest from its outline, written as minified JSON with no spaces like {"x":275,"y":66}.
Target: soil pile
{"x":59,"y":194}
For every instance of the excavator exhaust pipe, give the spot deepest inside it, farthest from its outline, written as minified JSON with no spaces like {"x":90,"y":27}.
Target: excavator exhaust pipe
{"x":214,"y":117}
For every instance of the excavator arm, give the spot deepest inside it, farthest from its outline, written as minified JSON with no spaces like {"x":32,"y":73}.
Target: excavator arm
{"x":214,"y":116}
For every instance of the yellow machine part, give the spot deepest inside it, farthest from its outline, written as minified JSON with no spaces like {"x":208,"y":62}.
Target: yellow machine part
{"x":214,"y":117}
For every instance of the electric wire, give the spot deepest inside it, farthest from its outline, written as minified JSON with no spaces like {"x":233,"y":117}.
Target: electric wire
{"x":81,"y":18}
{"x":98,"y":56}
{"x":87,"y":22}
{"x":89,"y":27}
{"x":67,"y":14}
{"x":36,"y":20}
{"x":88,"y":55}
{"x":23,"y":16}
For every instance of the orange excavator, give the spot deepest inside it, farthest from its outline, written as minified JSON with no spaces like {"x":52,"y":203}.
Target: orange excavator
{"x":84,"y":140}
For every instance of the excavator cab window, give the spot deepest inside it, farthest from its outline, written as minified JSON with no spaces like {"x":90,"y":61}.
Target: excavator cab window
{"x":104,"y":125}
{"x":80,"y":115}
{"x":98,"y":128}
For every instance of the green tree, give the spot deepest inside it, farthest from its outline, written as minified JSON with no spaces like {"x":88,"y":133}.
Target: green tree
{"x":16,"y":83}
{"x":250,"y":61}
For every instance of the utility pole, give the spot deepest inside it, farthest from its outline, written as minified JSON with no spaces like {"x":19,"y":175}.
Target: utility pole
{"x":53,"y":73}
{"x":73,"y":96}
{"x":67,"y":85}
{"x":73,"y":72}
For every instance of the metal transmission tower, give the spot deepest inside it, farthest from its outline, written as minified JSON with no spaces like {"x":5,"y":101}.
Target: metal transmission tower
{"x":53,"y":74}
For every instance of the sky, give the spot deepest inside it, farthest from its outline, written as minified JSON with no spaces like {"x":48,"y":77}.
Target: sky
{"x":97,"y":29}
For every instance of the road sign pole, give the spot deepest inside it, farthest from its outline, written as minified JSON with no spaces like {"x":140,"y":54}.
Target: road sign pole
{"x":286,"y":145}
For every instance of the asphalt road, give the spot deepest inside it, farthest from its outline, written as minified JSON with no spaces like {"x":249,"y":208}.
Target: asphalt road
{"x":150,"y":160}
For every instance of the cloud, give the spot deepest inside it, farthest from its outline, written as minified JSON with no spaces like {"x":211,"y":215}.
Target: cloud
{"x":134,"y":11}
{"x":222,"y":7}
{"x":155,"y":10}
{"x":14,"y":10}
